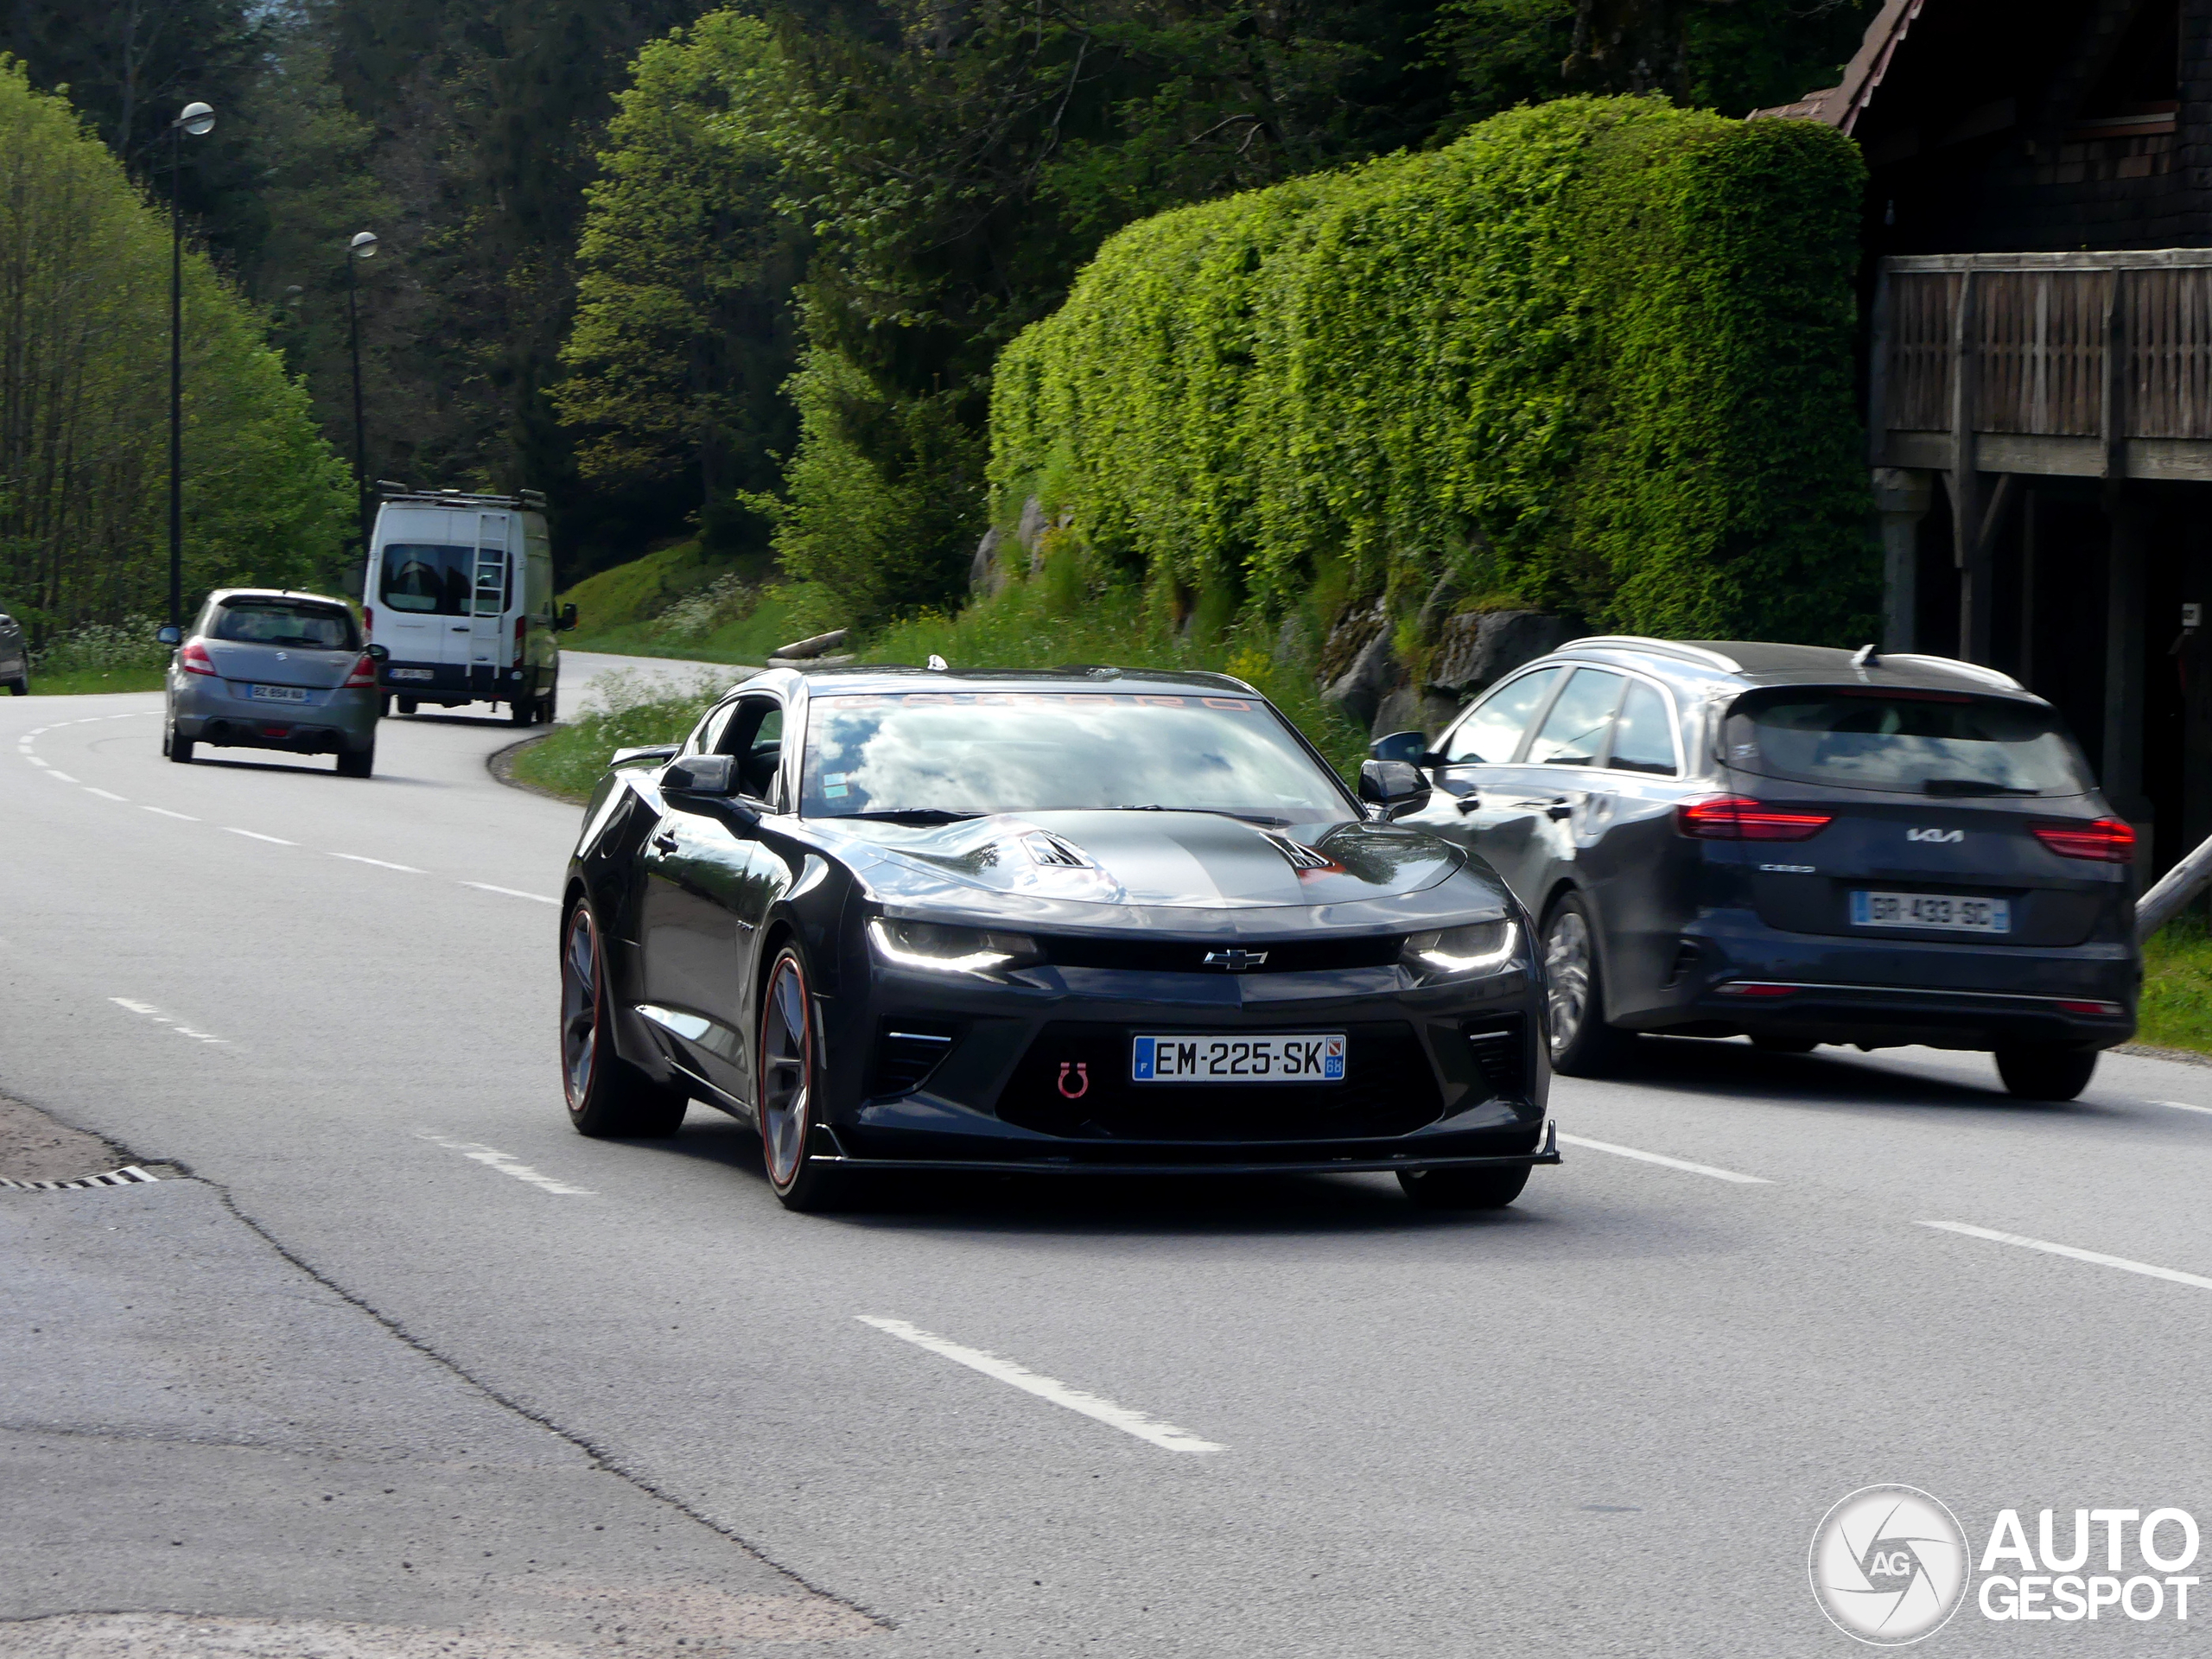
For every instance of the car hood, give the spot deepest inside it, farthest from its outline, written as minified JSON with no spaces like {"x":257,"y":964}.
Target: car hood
{"x":1169,"y":861}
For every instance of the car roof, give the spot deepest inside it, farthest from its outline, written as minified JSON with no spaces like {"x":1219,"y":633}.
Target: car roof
{"x":225,"y":594}
{"x":1722,"y":664}
{"x":887,"y":676}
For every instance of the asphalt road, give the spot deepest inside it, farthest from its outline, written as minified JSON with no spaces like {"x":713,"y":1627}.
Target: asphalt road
{"x":1605,"y":1421}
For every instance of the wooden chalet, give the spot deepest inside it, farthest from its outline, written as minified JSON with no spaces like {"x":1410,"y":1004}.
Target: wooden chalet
{"x":2039,"y":363}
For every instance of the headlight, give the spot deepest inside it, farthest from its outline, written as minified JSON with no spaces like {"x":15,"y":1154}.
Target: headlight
{"x":950,"y":949}
{"x":1452,"y":952}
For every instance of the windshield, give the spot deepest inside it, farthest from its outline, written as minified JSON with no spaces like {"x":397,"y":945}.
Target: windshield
{"x":272,"y":622}
{"x":436,"y":580}
{"x":1020,"y":751}
{"x":1922,"y":743}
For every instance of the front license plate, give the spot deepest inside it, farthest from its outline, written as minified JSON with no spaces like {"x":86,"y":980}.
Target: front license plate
{"x":1935,"y":910}
{"x":1311,"y":1057}
{"x":411,"y":674}
{"x":277,"y":693}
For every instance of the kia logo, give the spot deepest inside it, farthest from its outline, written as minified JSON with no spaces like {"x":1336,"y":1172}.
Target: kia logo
{"x":1934,"y":835}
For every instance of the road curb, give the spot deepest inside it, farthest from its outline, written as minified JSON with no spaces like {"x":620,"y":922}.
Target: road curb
{"x":2153,"y":1052}
{"x":500,"y":763}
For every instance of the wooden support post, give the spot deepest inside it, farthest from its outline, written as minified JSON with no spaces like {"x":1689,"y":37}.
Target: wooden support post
{"x":2122,"y":769}
{"x":1901,"y":501}
{"x":1968,"y":551}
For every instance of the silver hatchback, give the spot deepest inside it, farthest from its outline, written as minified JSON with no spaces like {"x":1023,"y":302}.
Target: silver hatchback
{"x":15,"y":656}
{"x":270,"y":669}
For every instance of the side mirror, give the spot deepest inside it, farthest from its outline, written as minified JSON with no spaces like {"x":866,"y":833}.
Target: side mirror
{"x":1398,"y":746}
{"x":1392,"y":785}
{"x":378,"y":654}
{"x":353,"y":581}
{"x":711,"y":775}
{"x":171,"y":635}
{"x":567,"y":618}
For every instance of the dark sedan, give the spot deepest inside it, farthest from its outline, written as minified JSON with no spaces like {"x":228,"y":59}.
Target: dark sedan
{"x":1084,"y":920}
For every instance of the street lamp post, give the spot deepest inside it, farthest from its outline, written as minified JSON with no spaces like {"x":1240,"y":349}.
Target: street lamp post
{"x":363,"y":246}
{"x":196,"y":119}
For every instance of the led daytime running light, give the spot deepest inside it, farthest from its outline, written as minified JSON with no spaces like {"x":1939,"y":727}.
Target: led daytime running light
{"x":1477,"y":948}
{"x":938,"y":948}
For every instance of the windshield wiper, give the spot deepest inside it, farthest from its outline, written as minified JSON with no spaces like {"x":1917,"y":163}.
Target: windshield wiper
{"x":1971,"y":786}
{"x":918,"y":814}
{"x":1266,"y":820}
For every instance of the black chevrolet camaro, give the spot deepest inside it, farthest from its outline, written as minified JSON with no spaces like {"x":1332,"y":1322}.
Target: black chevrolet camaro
{"x":1084,"y":920}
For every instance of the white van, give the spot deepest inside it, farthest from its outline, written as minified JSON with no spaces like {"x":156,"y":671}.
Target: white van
{"x":460,"y":591}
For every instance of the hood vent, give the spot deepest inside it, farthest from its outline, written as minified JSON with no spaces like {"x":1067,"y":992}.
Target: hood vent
{"x":1297,"y":853}
{"x":1049,"y":850}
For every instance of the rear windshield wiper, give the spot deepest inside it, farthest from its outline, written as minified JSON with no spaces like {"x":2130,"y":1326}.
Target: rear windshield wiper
{"x":1971,"y":786}
{"x":920,"y":814}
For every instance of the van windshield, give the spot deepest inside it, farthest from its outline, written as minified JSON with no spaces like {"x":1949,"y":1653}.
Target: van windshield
{"x":1915,"y":742}
{"x":429,"y":578}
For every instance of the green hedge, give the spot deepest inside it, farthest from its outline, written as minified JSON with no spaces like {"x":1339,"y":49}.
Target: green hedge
{"x":1595,"y":354}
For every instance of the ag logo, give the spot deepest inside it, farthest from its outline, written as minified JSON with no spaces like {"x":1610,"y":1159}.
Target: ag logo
{"x":1889,"y":1565}
{"x":1936,"y":835}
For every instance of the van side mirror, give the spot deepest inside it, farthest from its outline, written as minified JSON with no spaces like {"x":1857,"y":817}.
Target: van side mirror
{"x":353,"y":581}
{"x":378,"y":654}
{"x":567,"y":618}
{"x":1393,"y":785}
{"x":171,"y":635}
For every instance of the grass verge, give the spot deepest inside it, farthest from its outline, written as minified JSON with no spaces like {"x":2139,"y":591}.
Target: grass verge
{"x":2177,"y":1010}
{"x":624,"y":712}
{"x":84,"y":681}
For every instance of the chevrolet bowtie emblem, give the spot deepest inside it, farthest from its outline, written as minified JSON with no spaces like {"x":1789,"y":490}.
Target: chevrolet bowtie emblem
{"x":1237,"y":960}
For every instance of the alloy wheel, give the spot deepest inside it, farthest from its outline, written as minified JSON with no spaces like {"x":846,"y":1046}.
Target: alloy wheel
{"x":580,"y":1006}
{"x":1566,"y":977}
{"x":787,"y":1071}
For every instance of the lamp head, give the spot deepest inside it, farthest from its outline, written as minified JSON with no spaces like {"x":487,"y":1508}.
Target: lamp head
{"x":196,"y":119}
{"x":364,"y":244}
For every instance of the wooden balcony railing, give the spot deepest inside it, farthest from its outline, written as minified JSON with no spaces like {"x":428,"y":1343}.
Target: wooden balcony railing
{"x":2091,"y":365}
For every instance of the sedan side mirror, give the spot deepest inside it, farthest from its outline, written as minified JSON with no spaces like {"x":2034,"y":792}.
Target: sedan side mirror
{"x":710,"y":775}
{"x":567,"y":618}
{"x":171,"y":635}
{"x":378,"y":654}
{"x":1392,"y":785}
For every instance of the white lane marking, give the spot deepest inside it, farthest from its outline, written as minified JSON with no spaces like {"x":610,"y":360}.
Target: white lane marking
{"x":63,"y":776}
{"x":166,"y":813}
{"x":256,"y":834}
{"x":512,"y":892}
{"x":1671,"y":1163}
{"x":2097,"y":1258}
{"x":107,"y":795}
{"x":2180,"y":1106}
{"x":35,"y":760}
{"x":1165,"y":1435}
{"x":161,"y":1018}
{"x":492,"y":1158}
{"x":382,"y":864}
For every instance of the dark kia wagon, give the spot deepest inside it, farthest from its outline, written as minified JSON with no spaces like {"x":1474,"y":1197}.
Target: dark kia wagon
{"x":1796,"y":844}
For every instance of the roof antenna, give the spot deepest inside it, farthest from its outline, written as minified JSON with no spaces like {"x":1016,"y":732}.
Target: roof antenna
{"x":1865,"y":657}
{"x":936,"y":665}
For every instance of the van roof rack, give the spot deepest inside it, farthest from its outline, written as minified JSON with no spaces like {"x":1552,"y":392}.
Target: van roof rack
{"x":533,"y":501}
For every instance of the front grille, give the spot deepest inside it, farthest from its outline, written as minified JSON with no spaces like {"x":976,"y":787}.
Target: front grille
{"x":1500,"y":1045}
{"x":1189,"y":956}
{"x":1390,"y":1089}
{"x":906,"y":1051}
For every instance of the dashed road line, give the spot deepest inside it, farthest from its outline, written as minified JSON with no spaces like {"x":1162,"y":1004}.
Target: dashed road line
{"x":381,"y":863}
{"x":160,"y":1019}
{"x":512,"y":892}
{"x":2096,"y":1258}
{"x":166,"y":813}
{"x":2180,"y":1106}
{"x":256,"y":834}
{"x":505,"y":1163}
{"x":63,"y":776}
{"x":107,"y":794}
{"x":1164,"y":1435}
{"x":1671,"y":1163}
